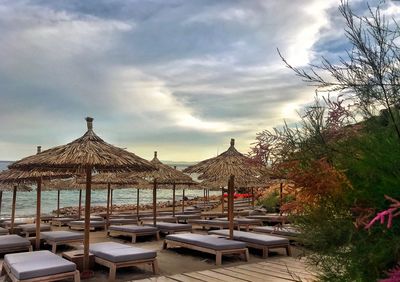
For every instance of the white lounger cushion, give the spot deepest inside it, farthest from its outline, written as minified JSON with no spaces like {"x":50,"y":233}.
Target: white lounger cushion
{"x":11,"y":241}
{"x":116,"y":252}
{"x":58,"y":236}
{"x":283,"y":231}
{"x":206,"y":241}
{"x":3,"y":231}
{"x":133,"y":228}
{"x":63,"y":219}
{"x":36,"y":264}
{"x":32,"y":227}
{"x":254,"y":238}
{"x":122,"y":220}
{"x":167,"y":226}
{"x":92,"y":223}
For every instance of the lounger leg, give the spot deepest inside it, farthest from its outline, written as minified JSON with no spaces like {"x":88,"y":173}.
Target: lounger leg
{"x":218,"y":258}
{"x":112,"y":273}
{"x":2,"y":271}
{"x":133,"y":238}
{"x":154,"y":265}
{"x":288,"y":251}
{"x":77,"y":276}
{"x":246,"y":255}
{"x":108,"y":233}
{"x":54,"y":247}
{"x":30,"y":248}
{"x":265,"y":252}
{"x":158,"y":235}
{"x":164,"y":245}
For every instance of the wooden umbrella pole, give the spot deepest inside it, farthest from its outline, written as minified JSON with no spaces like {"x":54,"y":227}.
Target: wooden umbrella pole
{"x":183,"y":200}
{"x":281,"y":198}
{"x":108,"y":204}
{"x":231,"y":188}
{"x":252,"y":197}
{"x":58,"y":203}
{"x":223,"y":200}
{"x":204,"y":198}
{"x":87,"y":219}
{"x":14,"y":200}
{"x":80,"y":204}
{"x":137,"y":203}
{"x":111,"y":201}
{"x":38,"y":211}
{"x":155,"y":202}
{"x":173,"y":199}
{"x":1,"y":199}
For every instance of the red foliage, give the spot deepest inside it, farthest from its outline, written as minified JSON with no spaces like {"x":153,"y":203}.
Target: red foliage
{"x":312,"y":183}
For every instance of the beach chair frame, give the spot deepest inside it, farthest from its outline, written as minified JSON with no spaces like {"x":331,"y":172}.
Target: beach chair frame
{"x":113,"y":266}
{"x":218,"y":253}
{"x":55,"y":277}
{"x":134,"y":235}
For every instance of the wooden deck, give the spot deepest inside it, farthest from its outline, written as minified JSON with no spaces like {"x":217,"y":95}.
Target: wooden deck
{"x":272,"y":270}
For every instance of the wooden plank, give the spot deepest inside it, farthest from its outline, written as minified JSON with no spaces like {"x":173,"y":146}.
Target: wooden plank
{"x":220,"y":276}
{"x":201,"y":277}
{"x":183,"y":278}
{"x":268,"y":272}
{"x":235,"y":274}
{"x":264,"y":277}
{"x":285,"y":269}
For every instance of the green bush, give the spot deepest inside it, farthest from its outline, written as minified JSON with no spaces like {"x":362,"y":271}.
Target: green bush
{"x":270,"y":202}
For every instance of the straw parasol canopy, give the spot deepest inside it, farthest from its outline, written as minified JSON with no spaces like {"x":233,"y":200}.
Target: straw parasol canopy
{"x":215,"y":171}
{"x":231,"y":169}
{"x":13,"y":177}
{"x":7,"y":187}
{"x":166,"y":174}
{"x":163,"y":177}
{"x":86,"y":154}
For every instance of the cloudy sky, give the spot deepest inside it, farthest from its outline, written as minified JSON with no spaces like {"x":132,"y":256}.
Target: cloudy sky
{"x":178,"y":76}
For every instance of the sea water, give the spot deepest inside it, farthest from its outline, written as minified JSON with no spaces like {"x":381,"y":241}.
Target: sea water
{"x":26,"y":201}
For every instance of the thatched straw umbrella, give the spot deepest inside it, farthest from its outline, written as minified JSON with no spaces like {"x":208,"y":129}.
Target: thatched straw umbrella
{"x":121,"y":179}
{"x":229,"y":167}
{"x":83,"y":156}
{"x":164,"y":175}
{"x":13,"y":176}
{"x":14,"y":188}
{"x":70,"y":184}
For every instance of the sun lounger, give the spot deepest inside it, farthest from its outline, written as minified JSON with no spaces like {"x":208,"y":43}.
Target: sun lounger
{"x":207,"y":244}
{"x":93,"y":224}
{"x":38,"y":266}
{"x":186,"y":217}
{"x":3,"y":231}
{"x":171,"y":228}
{"x":29,"y":229}
{"x":133,"y":231}
{"x":60,"y":221}
{"x":256,"y":241}
{"x":245,"y":223}
{"x":163,"y":218}
{"x":285,"y":231}
{"x":14,"y":243}
{"x":115,"y":255}
{"x":122,"y":221}
{"x":17,"y":222}
{"x":210,"y":223}
{"x":269,"y":218}
{"x":55,"y":238}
